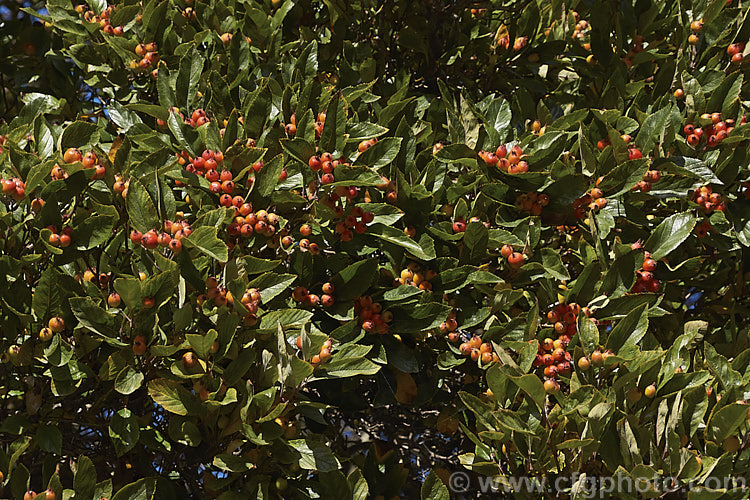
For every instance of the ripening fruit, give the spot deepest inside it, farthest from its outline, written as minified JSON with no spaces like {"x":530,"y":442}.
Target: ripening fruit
{"x":650,"y":391}
{"x":29,"y":495}
{"x":551,"y":386}
{"x":515,"y":260}
{"x":679,"y":94}
{"x":114,"y":299}
{"x":148,"y":302}
{"x":49,"y":494}
{"x":56,"y":324}
{"x":731,"y":444}
{"x":45,"y":334}
{"x":506,"y":251}
{"x":189,"y":360}
{"x":634,"y":395}
{"x":597,"y":358}
{"x":72,"y":155}
{"x":696,"y":25}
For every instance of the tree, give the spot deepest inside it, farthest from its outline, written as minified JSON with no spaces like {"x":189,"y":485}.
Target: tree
{"x":345,"y":249}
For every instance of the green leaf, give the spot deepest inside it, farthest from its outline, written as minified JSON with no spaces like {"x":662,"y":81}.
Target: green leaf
{"x":653,"y":129}
{"x":84,"y":481}
{"x":124,"y":431}
{"x":141,"y":209}
{"x":93,"y":231}
{"x":79,"y":134}
{"x":298,"y":148}
{"x":724,"y":422}
{"x":47,"y":295}
{"x":315,"y":455}
{"x":528,"y":383}
{"x":434,"y":489}
{"x":268,"y":178}
{"x":332,"y":137}
{"x":205,"y":240}
{"x":457,"y":153}
{"x":380,"y":154}
{"x":90,"y":315}
{"x":49,"y":438}
{"x":476,"y":238}
{"x":553,"y":265}
{"x":272,"y":284}
{"x":588,"y":334}
{"x":128,"y":380}
{"x":397,"y":237}
{"x":670,"y":234}
{"x":191,"y":66}
{"x":143,"y":489}
{"x":354,"y":280}
{"x":173,"y":397}
{"x":624,"y":338}
{"x":201,"y":344}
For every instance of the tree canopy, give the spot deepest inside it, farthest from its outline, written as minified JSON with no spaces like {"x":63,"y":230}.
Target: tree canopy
{"x":349,"y":249}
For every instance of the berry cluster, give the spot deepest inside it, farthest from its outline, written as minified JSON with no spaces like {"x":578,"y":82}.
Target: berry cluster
{"x":735,"y":52}
{"x":633,"y":152}
{"x":715,"y":131}
{"x":598,"y":357}
{"x":519,"y":43}
{"x":708,"y":200}
{"x":702,"y":229}
{"x":477,"y":350}
{"x":305,"y":245}
{"x":88,"y":160}
{"x":302,"y":295}
{"x":246,"y":223}
{"x":208,"y":164}
{"x":414,"y":275}
{"x":531,"y":203}
{"x":63,"y":239}
{"x":515,"y":259}
{"x":552,"y":357}
{"x":291,"y":127}
{"x":14,"y":187}
{"x":323,"y":356}
{"x":563,"y":319}
{"x":102,"y":19}
{"x":367,"y":144}
{"x":54,"y":325}
{"x":355,"y":222}
{"x":49,"y":494}
{"x":509,"y":161}
{"x":696,"y":27}
{"x":325,"y":163}
{"x":581,"y":29}
{"x":648,"y":179}
{"x":169,"y":238}
{"x":121,"y":186}
{"x":645,"y":280}
{"x":594,"y":200}
{"x":149,"y":57}
{"x":371,"y":315}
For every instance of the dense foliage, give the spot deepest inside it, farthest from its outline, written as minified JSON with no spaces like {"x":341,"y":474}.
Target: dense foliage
{"x":343,"y":249}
